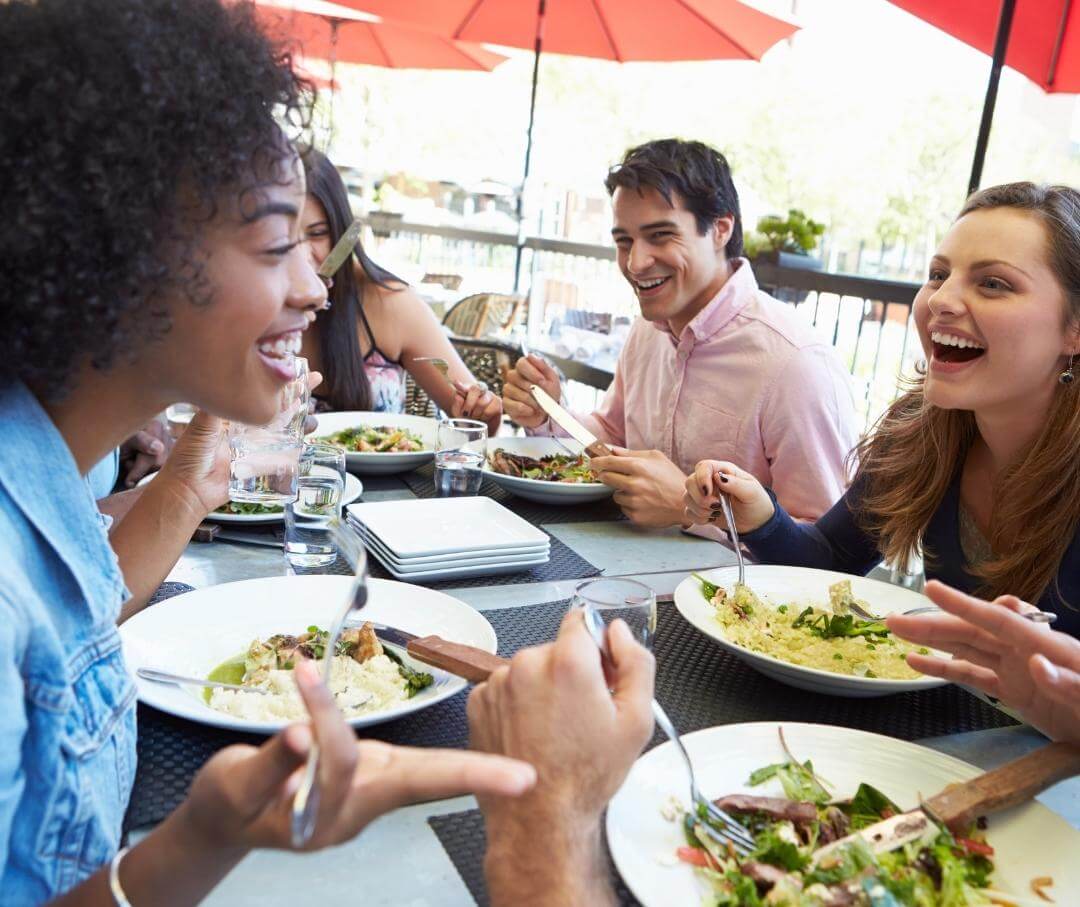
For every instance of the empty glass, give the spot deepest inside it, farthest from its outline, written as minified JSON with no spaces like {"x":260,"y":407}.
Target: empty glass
{"x":460,"y":452}
{"x":320,"y":486}
{"x":264,"y":459}
{"x":609,"y":599}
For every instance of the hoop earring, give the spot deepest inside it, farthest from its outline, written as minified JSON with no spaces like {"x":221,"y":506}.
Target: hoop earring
{"x":1066,"y":377}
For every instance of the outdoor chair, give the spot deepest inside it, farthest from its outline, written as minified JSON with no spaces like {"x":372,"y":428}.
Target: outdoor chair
{"x":448,"y":281}
{"x":484,"y":314}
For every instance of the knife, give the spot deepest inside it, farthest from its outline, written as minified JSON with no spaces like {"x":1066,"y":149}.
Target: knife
{"x":959,"y":805}
{"x":216,"y":532}
{"x":568,"y":423}
{"x":341,"y":251}
{"x":475,"y":665}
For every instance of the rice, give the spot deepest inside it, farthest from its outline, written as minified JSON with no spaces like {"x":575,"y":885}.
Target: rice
{"x":359,"y":688}
{"x":759,"y":626}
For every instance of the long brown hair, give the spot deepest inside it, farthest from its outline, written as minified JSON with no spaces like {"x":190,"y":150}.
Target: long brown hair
{"x":915,"y":452}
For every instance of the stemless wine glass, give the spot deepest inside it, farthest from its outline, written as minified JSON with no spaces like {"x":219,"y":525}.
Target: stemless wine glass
{"x":609,"y":599}
{"x":460,"y":452}
{"x":320,"y":486}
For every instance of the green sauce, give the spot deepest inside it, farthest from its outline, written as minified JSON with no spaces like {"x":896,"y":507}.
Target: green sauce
{"x":229,"y":671}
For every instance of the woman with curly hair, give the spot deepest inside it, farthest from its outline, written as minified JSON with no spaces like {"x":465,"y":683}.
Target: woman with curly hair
{"x":976,"y":465}
{"x":376,"y":327}
{"x":150,"y":252}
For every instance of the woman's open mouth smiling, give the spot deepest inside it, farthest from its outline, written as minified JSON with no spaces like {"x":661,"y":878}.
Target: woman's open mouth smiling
{"x":952,"y":352}
{"x":279,"y":351}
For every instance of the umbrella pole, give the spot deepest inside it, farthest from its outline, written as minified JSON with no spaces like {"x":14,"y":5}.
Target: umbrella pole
{"x":1001,"y":43}
{"x":334,"y":25}
{"x":538,"y":47}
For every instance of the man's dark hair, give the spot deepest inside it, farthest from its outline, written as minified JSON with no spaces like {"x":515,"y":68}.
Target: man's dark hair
{"x":127,"y":124}
{"x":698,"y":174}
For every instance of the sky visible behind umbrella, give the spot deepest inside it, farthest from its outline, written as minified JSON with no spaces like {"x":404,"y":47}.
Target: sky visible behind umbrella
{"x":866,"y":119}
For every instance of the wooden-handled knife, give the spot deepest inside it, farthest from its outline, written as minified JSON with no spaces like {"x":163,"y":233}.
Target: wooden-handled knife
{"x":474,"y":664}
{"x":959,"y":805}
{"x":577,"y":431}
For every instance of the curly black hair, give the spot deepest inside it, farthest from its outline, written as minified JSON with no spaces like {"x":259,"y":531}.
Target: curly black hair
{"x":125,"y":124}
{"x":698,"y":173}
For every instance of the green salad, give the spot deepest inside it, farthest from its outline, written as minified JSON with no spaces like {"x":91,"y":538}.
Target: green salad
{"x":242,"y":508}
{"x":375,"y":439}
{"x":939,"y":869}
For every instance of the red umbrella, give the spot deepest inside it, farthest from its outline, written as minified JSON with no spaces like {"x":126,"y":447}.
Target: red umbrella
{"x":342,"y":35}
{"x":621,"y":30}
{"x":1039,"y":38}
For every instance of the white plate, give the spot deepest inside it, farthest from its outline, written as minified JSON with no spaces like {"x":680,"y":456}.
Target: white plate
{"x":193,"y":633}
{"x":353,"y":489}
{"x":381,"y":463}
{"x":461,"y":560}
{"x":454,"y":572}
{"x":446,"y":526}
{"x":537,"y":489}
{"x":1029,"y":840}
{"x":801,"y":584}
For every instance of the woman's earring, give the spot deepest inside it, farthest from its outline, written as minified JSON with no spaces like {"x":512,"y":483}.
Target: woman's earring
{"x":1066,"y":377}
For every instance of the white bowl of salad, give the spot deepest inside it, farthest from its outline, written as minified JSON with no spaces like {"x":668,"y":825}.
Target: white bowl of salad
{"x":379,"y":443}
{"x":544,"y":470}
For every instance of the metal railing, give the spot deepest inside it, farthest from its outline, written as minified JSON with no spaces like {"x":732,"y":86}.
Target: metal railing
{"x":867,"y":320}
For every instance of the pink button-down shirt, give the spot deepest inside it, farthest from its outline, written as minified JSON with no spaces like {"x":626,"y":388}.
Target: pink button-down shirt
{"x":746,"y":381}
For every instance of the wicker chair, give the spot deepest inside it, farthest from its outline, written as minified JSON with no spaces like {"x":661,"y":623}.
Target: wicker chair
{"x":489,"y":361}
{"x":484,"y":314}
{"x":449,"y":281}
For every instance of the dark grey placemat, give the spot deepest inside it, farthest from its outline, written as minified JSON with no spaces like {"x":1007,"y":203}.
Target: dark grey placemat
{"x":563,"y":563}
{"x":383,"y":483}
{"x":699,"y":684}
{"x":421,"y":482}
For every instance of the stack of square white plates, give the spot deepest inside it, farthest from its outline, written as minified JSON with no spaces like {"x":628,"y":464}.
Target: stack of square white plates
{"x":443,"y":538}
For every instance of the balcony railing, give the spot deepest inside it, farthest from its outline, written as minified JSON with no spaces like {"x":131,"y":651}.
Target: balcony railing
{"x":867,"y":320}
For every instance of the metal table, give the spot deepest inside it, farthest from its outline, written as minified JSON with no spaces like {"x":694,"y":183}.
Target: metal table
{"x":398,"y":860}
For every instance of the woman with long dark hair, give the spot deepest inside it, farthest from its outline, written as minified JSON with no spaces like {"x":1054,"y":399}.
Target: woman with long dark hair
{"x":976,"y":465}
{"x":375,"y":326}
{"x":150,"y":252}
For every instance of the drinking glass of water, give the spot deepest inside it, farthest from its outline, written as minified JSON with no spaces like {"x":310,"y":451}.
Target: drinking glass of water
{"x":609,"y":599}
{"x":320,"y":486}
{"x":460,"y":452}
{"x":177,"y":417}
{"x":264,"y":459}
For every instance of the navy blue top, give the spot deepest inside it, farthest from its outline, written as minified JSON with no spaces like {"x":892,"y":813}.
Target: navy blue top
{"x":837,"y":542}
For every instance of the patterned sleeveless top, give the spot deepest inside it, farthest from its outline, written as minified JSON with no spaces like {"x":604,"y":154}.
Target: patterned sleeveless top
{"x":386,"y":377}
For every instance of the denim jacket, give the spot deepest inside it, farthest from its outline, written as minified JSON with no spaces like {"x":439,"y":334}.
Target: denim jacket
{"x":67,"y":702}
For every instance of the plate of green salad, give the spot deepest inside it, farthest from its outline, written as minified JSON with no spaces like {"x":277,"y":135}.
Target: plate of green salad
{"x":545,"y":470}
{"x":379,"y":443}
{"x":243,"y":512}
{"x":797,"y":787}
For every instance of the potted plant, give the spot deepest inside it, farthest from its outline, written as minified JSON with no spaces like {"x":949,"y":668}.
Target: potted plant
{"x":787,"y":242}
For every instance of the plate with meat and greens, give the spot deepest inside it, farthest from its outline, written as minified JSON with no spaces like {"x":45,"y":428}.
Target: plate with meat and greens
{"x":252,"y":633}
{"x":545,"y":470}
{"x":814,"y":786}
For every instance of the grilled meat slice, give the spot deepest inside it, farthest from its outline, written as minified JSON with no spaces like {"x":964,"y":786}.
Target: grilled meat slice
{"x":774,"y":807}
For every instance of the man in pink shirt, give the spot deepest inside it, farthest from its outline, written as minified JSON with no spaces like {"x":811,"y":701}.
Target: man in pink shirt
{"x":714,"y":368}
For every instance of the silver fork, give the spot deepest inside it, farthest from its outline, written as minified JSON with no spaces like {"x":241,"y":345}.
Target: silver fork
{"x":729,"y":517}
{"x":1039,"y":617}
{"x":305,"y":805}
{"x":730,"y":832}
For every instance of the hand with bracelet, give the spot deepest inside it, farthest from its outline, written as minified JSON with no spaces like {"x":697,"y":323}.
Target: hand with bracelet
{"x":242,"y":797}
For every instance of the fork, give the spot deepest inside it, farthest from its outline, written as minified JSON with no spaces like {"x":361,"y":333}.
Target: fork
{"x":305,"y":805}
{"x":1039,"y":617}
{"x":729,"y":518}
{"x":731,"y":832}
